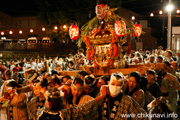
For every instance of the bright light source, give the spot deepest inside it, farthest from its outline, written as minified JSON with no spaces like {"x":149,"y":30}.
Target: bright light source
{"x":3,"y":38}
{"x":55,"y":27}
{"x":169,"y":7}
{"x":2,"y":33}
{"x":64,"y":26}
{"x":31,"y":31}
{"x":152,"y":14}
{"x":178,"y":11}
{"x":43,"y":29}
{"x":11,"y":32}
{"x":133,"y":18}
{"x":20,"y":32}
{"x":160,"y":12}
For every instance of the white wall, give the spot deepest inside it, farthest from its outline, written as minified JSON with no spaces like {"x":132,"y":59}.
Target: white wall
{"x":176,"y":30}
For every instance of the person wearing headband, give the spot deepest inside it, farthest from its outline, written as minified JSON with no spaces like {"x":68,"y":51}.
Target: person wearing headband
{"x":116,"y":103}
{"x":67,"y":94}
{"x":53,"y":107}
{"x":36,"y":104}
{"x":21,"y":73}
{"x":3,"y":92}
{"x":90,"y":86}
{"x":81,"y":74}
{"x":16,"y":109}
{"x":77,"y":92}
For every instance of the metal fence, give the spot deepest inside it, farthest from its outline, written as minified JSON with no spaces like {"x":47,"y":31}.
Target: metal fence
{"x":16,"y":50}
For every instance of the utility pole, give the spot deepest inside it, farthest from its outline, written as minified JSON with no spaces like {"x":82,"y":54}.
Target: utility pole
{"x":169,"y":41}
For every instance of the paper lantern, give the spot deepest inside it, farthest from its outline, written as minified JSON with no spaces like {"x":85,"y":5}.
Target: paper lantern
{"x":137,"y":30}
{"x":74,"y":32}
{"x":120,"y":28}
{"x":101,"y":11}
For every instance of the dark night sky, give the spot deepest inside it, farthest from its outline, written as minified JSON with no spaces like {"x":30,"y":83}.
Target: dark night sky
{"x":19,"y":7}
{"x":143,"y":7}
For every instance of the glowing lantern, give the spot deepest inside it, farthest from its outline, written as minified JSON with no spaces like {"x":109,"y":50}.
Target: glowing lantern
{"x":101,"y":11}
{"x":120,"y":28}
{"x":74,"y":32}
{"x":137,"y":30}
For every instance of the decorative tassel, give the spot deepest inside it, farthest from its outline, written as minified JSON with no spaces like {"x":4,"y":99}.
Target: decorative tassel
{"x":88,"y":54}
{"x":129,"y":49}
{"x":115,"y":50}
{"x":109,"y":61}
{"x":95,"y":63}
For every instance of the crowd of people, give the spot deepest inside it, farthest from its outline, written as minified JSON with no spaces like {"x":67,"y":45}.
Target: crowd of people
{"x":34,"y":89}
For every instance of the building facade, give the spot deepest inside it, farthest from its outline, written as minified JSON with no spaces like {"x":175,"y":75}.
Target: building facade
{"x":146,"y":40}
{"x":20,"y":27}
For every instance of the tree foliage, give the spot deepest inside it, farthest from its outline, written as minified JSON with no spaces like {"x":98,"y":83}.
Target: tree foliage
{"x":60,"y":12}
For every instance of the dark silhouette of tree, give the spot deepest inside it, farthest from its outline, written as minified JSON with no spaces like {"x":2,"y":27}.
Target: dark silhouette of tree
{"x":60,"y":12}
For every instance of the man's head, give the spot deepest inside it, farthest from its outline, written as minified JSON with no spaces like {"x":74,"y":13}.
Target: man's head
{"x":125,"y":47}
{"x":20,"y":65}
{"x":102,"y":81}
{"x":8,"y":74}
{"x":12,"y":86}
{"x":159,"y":59}
{"x":169,"y":53}
{"x":150,"y":74}
{"x":77,"y":87}
{"x":89,"y":84}
{"x":54,"y":101}
{"x":65,"y":78}
{"x":81,"y":74}
{"x":26,"y":60}
{"x":37,"y":89}
{"x":132,"y":55}
{"x":178,"y":54}
{"x":167,"y":66}
{"x":66,"y":89}
{"x":71,"y":63}
{"x":134,"y":80}
{"x":80,"y":51}
{"x":116,"y":84}
{"x":151,"y":59}
{"x":54,"y":82}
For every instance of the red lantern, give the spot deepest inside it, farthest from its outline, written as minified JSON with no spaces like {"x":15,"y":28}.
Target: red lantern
{"x":120,"y":28}
{"x":101,"y":11}
{"x":137,"y":30}
{"x":74,"y":32}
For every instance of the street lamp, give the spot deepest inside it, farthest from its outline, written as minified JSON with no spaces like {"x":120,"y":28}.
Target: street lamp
{"x":169,"y":8}
{"x":160,"y":12}
{"x":55,"y":27}
{"x":2,"y":33}
{"x":133,"y":18}
{"x":64,"y":26}
{"x":43,"y":29}
{"x":152,"y":14}
{"x":20,"y":32}
{"x":178,"y":11}
{"x":31,"y":31}
{"x":11,"y":32}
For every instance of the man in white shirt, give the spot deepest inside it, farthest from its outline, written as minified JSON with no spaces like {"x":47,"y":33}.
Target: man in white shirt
{"x":3,"y":93}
